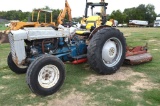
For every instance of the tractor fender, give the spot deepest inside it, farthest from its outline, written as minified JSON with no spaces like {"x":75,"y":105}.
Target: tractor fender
{"x":95,"y":30}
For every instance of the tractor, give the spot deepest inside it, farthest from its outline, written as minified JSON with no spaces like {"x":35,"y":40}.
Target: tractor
{"x":40,"y":52}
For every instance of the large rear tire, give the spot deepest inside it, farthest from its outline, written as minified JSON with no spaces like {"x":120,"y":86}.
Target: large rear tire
{"x":106,"y":51}
{"x":45,"y":75}
{"x":14,"y":67}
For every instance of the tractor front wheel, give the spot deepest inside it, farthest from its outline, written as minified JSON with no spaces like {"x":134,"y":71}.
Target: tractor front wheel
{"x":45,"y":75}
{"x":106,"y":50}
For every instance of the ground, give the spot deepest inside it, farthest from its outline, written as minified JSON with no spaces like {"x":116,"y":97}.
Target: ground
{"x":129,"y":86}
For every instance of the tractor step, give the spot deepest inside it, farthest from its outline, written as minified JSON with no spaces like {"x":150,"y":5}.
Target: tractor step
{"x":138,"y":59}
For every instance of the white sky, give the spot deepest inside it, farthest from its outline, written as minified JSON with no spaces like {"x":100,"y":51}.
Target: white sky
{"x":77,"y":6}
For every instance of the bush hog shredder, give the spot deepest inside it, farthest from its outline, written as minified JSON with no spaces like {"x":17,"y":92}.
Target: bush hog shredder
{"x":41,"y":52}
{"x":137,"y":55}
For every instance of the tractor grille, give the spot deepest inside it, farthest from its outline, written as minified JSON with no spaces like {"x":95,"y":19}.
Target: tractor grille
{"x":12,"y":48}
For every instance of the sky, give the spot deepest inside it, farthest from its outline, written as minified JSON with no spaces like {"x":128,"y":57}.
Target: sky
{"x":77,"y":6}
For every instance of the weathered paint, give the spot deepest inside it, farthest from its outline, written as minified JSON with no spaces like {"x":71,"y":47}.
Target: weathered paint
{"x":17,"y":38}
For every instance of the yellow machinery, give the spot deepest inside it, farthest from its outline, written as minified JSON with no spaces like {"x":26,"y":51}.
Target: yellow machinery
{"x":63,"y":12}
{"x":19,"y":25}
{"x":97,"y":22}
{"x":96,"y":19}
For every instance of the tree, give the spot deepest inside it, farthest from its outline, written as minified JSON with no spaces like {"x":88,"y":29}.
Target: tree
{"x":150,"y":13}
{"x":129,"y":14}
{"x":117,"y":15}
{"x":140,"y":12}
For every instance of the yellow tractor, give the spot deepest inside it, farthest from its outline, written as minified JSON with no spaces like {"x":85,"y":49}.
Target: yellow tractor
{"x":96,"y":25}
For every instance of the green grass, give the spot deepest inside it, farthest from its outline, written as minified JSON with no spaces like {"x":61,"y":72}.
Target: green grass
{"x":140,"y":36}
{"x":2,"y":27}
{"x":152,"y":96}
{"x":103,"y":92}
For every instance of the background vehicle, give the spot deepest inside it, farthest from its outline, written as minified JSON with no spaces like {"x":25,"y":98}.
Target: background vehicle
{"x":157,"y":22}
{"x":138,"y":23}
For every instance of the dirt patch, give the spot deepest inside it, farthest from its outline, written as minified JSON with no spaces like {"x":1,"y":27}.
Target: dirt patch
{"x":122,"y":74}
{"x":152,"y":40}
{"x":2,"y":87}
{"x":32,"y":95}
{"x":20,"y":97}
{"x":155,"y":49}
{"x":125,"y":74}
{"x":73,"y":99}
{"x":142,"y":84}
{"x":9,"y":77}
{"x":127,"y":34}
{"x":116,"y":100}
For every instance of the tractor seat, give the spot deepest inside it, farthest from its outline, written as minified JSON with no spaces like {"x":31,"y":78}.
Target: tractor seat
{"x":83,"y":32}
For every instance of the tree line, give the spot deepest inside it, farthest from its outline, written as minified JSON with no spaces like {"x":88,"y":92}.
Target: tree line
{"x":27,"y":16}
{"x":142,"y":12}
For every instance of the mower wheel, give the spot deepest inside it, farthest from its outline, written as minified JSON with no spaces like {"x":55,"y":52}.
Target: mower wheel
{"x":14,"y":67}
{"x":106,"y":50}
{"x":45,"y":75}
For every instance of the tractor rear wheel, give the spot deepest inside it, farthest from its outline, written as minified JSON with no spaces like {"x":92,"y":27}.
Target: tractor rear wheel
{"x":45,"y":75}
{"x":106,"y":51}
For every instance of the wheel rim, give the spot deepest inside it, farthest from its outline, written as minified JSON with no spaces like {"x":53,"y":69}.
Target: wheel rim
{"x":48,"y":76}
{"x":111,"y":52}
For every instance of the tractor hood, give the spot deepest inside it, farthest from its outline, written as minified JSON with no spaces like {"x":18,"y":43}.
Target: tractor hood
{"x":39,"y":33}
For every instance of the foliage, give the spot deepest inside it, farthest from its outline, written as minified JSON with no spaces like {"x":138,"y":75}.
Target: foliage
{"x":117,"y":15}
{"x":26,"y":16}
{"x":14,"y":15}
{"x":142,"y":12}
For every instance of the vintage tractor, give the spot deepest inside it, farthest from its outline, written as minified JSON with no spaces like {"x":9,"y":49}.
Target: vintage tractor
{"x":41,"y":51}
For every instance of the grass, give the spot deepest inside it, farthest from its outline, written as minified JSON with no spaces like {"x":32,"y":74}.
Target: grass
{"x":140,"y":36}
{"x":101,"y":91}
{"x":2,"y":27}
{"x":152,"y":95}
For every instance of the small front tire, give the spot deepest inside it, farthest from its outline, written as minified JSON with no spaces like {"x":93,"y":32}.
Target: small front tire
{"x":45,"y":75}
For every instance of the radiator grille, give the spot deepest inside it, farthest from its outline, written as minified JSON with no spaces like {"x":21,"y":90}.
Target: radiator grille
{"x":12,"y":49}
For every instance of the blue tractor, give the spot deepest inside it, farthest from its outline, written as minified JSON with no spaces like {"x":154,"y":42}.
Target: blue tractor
{"x":40,"y":52}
